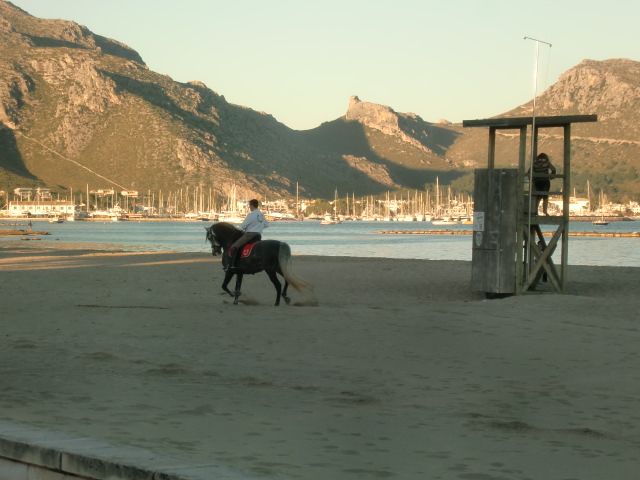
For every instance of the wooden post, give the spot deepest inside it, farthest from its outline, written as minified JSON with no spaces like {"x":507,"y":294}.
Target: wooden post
{"x":522,"y":158}
{"x":492,"y":147}
{"x":566,"y":189}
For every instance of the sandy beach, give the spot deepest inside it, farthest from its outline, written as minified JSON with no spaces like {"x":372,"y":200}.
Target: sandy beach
{"x":394,"y":370}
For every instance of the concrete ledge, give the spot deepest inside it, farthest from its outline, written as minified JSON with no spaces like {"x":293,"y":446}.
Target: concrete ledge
{"x":30,"y":453}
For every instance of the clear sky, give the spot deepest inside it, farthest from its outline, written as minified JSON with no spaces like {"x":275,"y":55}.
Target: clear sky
{"x":301,"y":60}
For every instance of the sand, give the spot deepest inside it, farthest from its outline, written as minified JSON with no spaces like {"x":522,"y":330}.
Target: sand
{"x":399,"y":371}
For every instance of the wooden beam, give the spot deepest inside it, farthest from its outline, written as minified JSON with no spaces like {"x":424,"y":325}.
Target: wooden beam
{"x":517,"y":122}
{"x":544,"y":260}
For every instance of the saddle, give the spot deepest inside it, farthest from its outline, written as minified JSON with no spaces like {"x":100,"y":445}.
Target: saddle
{"x":246,"y":250}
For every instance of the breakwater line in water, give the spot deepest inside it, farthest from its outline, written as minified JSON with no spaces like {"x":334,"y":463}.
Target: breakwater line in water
{"x":469,"y":232}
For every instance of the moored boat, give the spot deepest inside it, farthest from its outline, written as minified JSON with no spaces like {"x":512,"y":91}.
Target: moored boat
{"x":602,"y":221}
{"x":444,"y":221}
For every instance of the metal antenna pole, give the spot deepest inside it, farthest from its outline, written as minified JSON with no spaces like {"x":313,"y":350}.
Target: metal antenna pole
{"x":533,"y":136}
{"x":535,"y":84}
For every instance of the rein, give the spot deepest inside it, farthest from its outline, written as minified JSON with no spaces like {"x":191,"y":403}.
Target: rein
{"x":216,"y":248}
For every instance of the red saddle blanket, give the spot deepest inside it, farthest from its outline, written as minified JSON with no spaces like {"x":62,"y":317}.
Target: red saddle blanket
{"x":246,"y":250}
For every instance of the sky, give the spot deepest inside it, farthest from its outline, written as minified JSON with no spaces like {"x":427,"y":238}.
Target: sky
{"x":302,"y":60}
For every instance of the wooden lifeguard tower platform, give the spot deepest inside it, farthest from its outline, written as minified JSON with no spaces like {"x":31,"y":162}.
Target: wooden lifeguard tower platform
{"x":510,"y":253}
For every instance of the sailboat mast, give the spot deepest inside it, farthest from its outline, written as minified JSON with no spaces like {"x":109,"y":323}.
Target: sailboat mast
{"x":437,"y":198}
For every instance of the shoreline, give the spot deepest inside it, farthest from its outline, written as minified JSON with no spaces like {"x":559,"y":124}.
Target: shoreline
{"x":398,"y":371}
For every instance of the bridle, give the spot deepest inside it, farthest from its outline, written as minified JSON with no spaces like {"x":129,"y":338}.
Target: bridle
{"x":216,"y":248}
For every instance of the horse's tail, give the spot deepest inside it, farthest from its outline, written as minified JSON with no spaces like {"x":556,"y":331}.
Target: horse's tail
{"x":284,"y":257}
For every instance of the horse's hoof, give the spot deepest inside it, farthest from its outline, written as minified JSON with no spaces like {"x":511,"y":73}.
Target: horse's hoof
{"x":235,"y":301}
{"x":287,"y":300}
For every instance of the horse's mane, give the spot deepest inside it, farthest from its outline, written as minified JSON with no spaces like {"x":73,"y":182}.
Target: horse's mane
{"x":226,"y":230}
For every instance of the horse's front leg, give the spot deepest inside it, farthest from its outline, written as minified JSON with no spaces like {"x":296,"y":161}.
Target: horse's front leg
{"x":238,"y":285}
{"x":276,"y":283}
{"x":227,"y":278}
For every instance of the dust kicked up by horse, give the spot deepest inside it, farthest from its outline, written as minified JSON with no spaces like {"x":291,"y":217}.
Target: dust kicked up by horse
{"x":272,"y":256}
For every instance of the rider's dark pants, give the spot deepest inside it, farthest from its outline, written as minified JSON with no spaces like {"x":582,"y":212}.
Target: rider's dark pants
{"x":236,"y":246}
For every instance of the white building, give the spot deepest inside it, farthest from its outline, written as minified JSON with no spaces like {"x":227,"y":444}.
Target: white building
{"x":634,"y":207}
{"x":577,"y":206}
{"x":40,"y":208}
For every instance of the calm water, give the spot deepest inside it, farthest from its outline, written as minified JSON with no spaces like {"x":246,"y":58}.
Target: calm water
{"x":310,"y":238}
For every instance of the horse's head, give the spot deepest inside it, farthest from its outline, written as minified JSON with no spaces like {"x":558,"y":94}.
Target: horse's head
{"x":216,"y":248}
{"x":221,"y":235}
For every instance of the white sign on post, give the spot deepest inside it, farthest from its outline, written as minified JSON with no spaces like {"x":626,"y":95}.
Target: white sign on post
{"x":478,"y":221}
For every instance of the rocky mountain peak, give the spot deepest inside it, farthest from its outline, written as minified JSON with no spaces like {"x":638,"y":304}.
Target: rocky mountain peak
{"x":608,"y":88}
{"x":604,"y":87}
{"x":376,"y":116}
{"x":408,"y":127}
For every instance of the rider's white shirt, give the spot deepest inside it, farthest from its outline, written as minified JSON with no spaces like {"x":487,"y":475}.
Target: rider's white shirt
{"x":255,"y":222}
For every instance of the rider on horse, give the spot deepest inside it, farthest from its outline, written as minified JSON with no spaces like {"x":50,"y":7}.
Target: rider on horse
{"x":253,"y":226}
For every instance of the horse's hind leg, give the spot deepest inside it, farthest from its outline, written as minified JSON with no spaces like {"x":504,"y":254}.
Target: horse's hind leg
{"x":284,"y":292}
{"x":286,"y":285}
{"x":276,"y":283}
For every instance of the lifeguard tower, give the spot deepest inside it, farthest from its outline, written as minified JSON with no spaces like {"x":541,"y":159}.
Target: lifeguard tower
{"x":510,"y":254}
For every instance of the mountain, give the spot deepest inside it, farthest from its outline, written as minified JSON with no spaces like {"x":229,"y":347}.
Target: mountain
{"x":78,"y":110}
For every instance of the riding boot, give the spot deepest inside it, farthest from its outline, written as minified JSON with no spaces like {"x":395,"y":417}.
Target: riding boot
{"x":234,"y":258}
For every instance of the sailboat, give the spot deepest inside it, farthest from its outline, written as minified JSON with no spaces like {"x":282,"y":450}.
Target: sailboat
{"x":332,"y":220}
{"x":231,"y":214}
{"x":602,"y":221}
{"x":441,"y":220}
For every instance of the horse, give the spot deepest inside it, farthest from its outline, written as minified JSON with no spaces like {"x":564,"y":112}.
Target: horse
{"x":272,"y":256}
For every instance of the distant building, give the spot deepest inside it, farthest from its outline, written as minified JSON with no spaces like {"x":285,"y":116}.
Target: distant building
{"x":40,"y":193}
{"x":577,"y":206}
{"x":40,"y":208}
{"x":634,"y":207}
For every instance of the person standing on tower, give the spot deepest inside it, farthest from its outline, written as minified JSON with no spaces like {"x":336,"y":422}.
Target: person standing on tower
{"x":542,"y":167}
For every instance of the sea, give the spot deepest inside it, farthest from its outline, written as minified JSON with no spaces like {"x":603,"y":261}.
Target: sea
{"x":350,"y":238}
